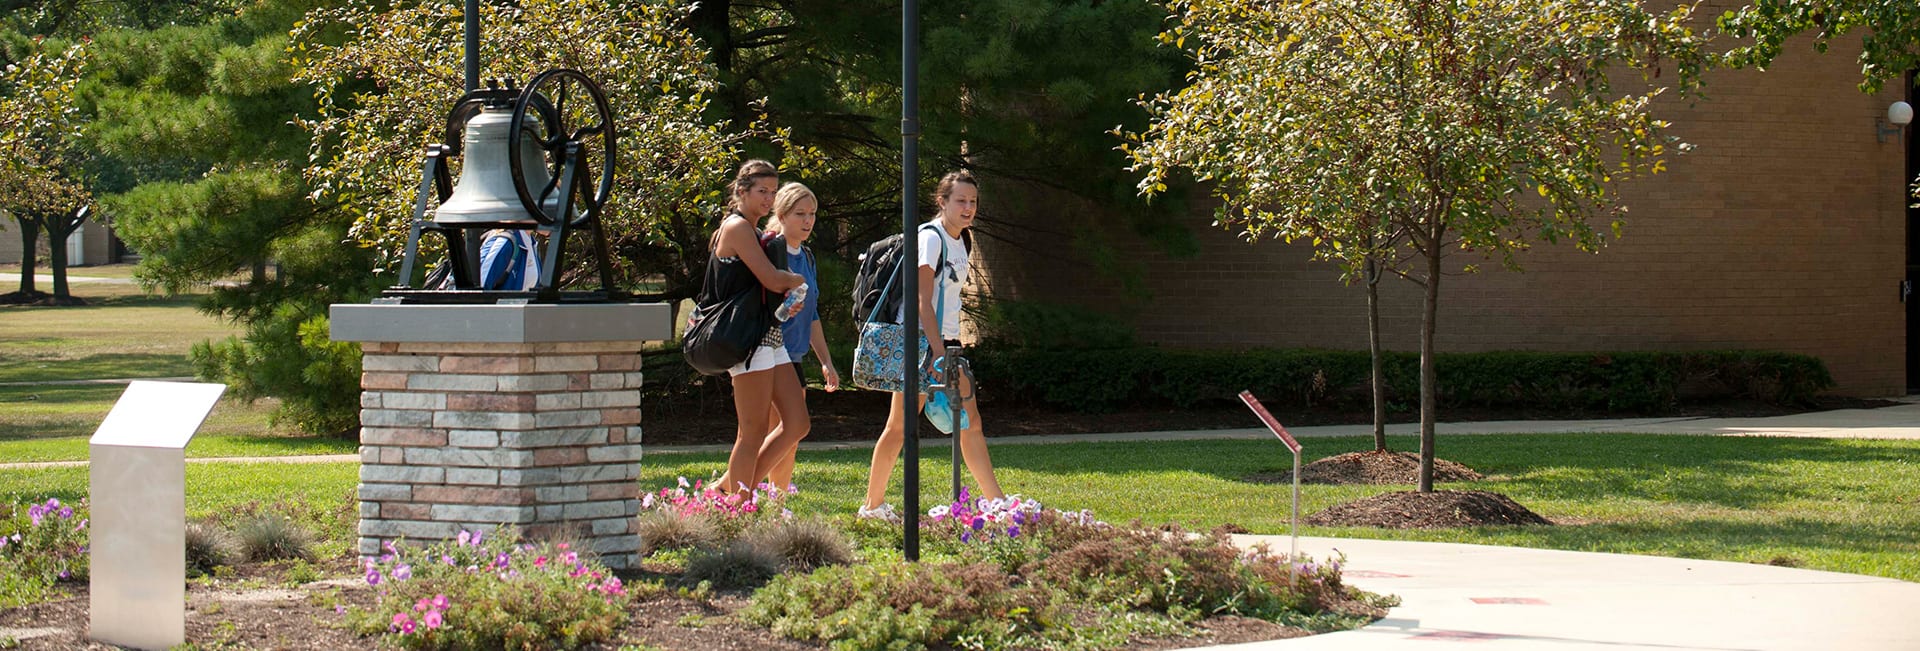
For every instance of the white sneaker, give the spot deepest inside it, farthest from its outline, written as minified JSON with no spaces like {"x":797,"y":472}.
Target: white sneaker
{"x":882,"y":512}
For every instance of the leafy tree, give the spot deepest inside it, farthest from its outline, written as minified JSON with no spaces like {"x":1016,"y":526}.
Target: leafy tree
{"x":385,"y":88}
{"x":203,"y":167}
{"x":1890,"y":42}
{"x":1471,"y":126}
{"x":41,"y":168}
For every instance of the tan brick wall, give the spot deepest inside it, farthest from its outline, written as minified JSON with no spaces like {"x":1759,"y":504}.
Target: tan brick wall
{"x":1785,"y":230}
{"x":473,"y":436}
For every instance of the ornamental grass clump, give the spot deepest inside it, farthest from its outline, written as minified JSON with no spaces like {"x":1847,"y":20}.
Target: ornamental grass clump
{"x":667,"y":529}
{"x":269,"y":537}
{"x":801,"y":545}
{"x":40,"y":546}
{"x":742,"y":564}
{"x":208,"y":547}
{"x":491,"y":592}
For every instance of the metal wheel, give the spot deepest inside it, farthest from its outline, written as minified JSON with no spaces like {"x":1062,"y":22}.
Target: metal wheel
{"x":570,"y":108}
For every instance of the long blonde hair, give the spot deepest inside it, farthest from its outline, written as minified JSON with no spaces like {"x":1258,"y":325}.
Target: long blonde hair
{"x":784,"y":201}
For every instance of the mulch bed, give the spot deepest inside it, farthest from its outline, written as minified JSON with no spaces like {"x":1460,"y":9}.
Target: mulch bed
{"x":260,"y":614}
{"x":1370,"y":467}
{"x":1435,"y":510}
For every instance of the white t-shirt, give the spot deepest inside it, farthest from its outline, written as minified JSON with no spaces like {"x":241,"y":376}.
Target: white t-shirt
{"x":947,"y":283}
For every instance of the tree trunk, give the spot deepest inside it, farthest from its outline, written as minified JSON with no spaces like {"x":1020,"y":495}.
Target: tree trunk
{"x":1429,"y":378}
{"x":1373,"y":347}
{"x":29,"y":241}
{"x":259,"y":273}
{"x":57,"y":260}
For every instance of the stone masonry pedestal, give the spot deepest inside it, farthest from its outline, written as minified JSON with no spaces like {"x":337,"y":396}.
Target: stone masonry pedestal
{"x":477,"y":416}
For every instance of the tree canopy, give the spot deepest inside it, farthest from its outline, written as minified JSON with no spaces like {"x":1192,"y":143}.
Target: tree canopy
{"x":1471,"y":126}
{"x":42,"y":168}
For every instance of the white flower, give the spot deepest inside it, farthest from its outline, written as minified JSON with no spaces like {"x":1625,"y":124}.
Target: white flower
{"x":939,"y":511}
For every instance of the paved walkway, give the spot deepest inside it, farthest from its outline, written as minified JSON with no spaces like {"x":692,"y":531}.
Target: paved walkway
{"x":1483,"y":597}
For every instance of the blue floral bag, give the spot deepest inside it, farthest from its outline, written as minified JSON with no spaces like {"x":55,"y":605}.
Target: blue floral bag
{"x":879,"y":359}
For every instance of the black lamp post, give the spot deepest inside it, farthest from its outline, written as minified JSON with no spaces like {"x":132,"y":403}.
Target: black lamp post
{"x":472,"y":17}
{"x":909,"y":222}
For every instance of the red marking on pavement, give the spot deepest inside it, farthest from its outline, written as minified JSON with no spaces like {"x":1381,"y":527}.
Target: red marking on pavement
{"x":1274,"y":425}
{"x":1459,"y":636}
{"x":1517,"y":601}
{"x":1370,"y":574}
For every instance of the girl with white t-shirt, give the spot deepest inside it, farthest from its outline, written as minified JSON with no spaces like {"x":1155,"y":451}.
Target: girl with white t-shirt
{"x":958,"y":197}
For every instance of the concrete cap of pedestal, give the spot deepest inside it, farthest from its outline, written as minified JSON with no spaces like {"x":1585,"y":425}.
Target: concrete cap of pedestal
{"x":502,"y":323}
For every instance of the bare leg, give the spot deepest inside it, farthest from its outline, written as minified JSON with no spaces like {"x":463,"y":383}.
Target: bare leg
{"x":973,"y":446}
{"x":886,"y":452}
{"x":751,"y":394}
{"x":790,"y":399}
{"x":782,"y":474}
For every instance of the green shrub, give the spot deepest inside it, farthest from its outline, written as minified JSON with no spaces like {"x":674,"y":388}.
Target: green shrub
{"x":209,"y":547}
{"x":492,"y":592}
{"x":269,"y":537}
{"x":664,"y":529}
{"x":289,"y":356}
{"x":41,"y":545}
{"x":802,"y":544}
{"x":742,"y":564}
{"x":1097,"y":380}
{"x":1049,"y":326}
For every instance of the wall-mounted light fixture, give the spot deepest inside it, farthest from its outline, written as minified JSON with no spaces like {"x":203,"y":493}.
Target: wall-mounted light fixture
{"x":1899,"y":114}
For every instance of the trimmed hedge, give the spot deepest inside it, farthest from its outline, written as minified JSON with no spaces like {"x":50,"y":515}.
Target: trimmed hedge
{"x":1102,"y":379}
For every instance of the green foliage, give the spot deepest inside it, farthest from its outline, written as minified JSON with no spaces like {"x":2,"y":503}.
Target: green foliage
{"x":285,"y":356}
{"x":1029,"y":324}
{"x":492,"y":592}
{"x":209,"y":546}
{"x":386,"y":77}
{"x":41,"y":544}
{"x":1628,"y":382}
{"x":270,"y":537}
{"x":1890,"y":33}
{"x":1065,"y":581}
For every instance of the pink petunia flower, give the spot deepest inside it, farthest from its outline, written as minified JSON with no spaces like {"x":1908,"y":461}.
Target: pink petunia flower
{"x":440,"y":601}
{"x":431,"y":619}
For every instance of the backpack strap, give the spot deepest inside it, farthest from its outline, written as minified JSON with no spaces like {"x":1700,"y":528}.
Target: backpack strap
{"x":887,"y":289}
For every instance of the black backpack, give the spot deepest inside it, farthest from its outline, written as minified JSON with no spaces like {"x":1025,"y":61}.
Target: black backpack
{"x":878,"y":271}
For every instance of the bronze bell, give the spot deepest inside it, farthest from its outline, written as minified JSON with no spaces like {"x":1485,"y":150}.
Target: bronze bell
{"x":485,"y":192}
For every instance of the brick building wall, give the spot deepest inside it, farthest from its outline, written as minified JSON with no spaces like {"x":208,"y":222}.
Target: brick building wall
{"x":1784,"y":230}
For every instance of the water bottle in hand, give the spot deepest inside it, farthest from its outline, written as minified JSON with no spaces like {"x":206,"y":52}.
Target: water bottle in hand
{"x":796,"y":300}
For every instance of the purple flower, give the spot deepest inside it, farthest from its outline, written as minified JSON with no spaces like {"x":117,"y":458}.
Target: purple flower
{"x":1013,"y":531}
{"x":66,"y":513}
{"x":502,"y":560}
{"x":978,"y":523}
{"x":373,"y":576}
{"x":477,"y":535}
{"x":465,"y":537}
{"x":63,"y":575}
{"x":966,"y":536}
{"x":403,"y":572}
{"x":82,"y":525}
{"x":53,"y":503}
{"x":340,"y":609}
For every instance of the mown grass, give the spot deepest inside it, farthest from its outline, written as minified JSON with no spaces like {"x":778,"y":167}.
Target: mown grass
{"x":116,"y":337}
{"x":58,"y":411}
{"x":1847,"y":506}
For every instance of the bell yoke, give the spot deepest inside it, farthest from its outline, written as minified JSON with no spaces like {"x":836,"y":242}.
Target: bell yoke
{"x":528,"y":162}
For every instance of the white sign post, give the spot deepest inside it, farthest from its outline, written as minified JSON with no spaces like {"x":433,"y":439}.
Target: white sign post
{"x":137,"y":531}
{"x":1292,"y":445}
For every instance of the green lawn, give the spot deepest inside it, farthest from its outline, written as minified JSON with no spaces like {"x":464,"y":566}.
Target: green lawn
{"x":1849,"y":506}
{"x":125,"y":336}
{"x":50,"y":417}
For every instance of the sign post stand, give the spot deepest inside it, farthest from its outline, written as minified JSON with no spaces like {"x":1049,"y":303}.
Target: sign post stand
{"x":137,"y":486}
{"x":1293,"y":446}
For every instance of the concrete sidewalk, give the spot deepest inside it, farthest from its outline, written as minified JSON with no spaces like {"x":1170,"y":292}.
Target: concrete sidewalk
{"x":1482,"y":597}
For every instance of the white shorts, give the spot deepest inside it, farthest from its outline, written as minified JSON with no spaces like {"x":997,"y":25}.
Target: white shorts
{"x":764,"y":357}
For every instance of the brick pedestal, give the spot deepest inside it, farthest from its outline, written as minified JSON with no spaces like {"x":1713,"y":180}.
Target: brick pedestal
{"x":495,"y":423}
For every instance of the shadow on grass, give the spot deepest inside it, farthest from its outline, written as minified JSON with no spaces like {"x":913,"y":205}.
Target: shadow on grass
{"x":102,"y":366}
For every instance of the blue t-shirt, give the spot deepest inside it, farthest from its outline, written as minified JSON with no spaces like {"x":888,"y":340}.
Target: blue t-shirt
{"x":798,"y":331}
